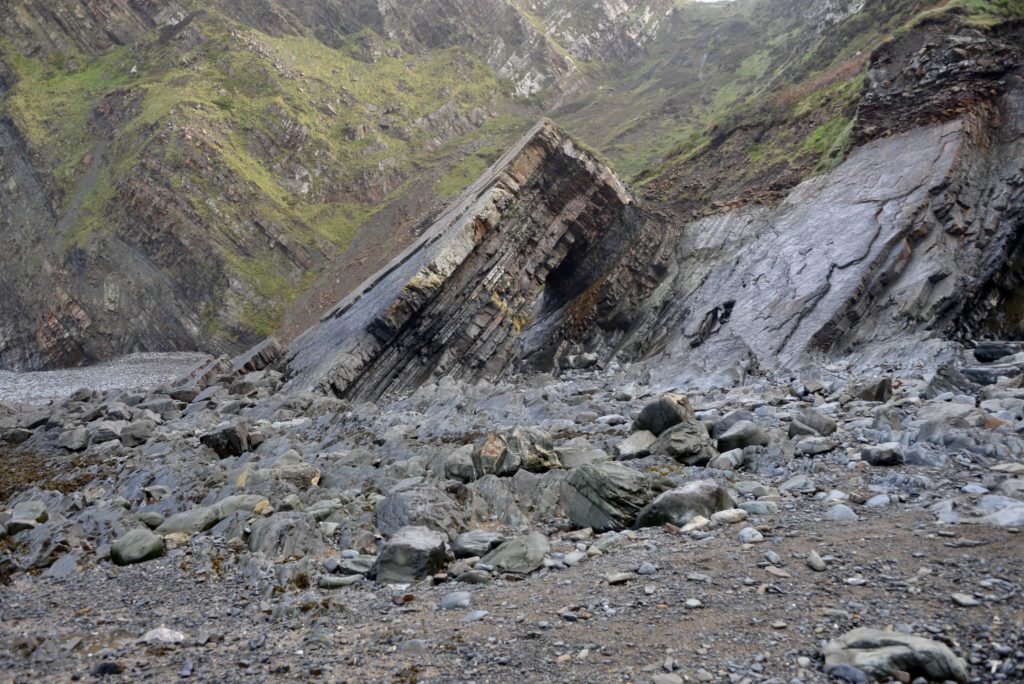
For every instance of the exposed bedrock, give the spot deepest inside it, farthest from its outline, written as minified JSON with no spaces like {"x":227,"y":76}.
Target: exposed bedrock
{"x":915,"y":236}
{"x":523,"y":250}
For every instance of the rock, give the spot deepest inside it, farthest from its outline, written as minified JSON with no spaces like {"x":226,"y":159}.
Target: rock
{"x":617,"y":578}
{"x":284,"y":536}
{"x":748,"y":535}
{"x":504,"y":453}
{"x":456,"y":599}
{"x":1010,"y":516}
{"x":608,"y":496}
{"x":106,"y":431}
{"x":886,"y":454}
{"x":519,"y":555}
{"x":879,"y":389}
{"x":990,"y":351}
{"x":722,"y":426}
{"x":666,"y":678}
{"x":190,"y":522}
{"x":812,"y":423}
{"x":582,"y":361}
{"x":161,"y":636}
{"x":459,"y":465}
{"x":637,"y":445}
{"x":360,"y":565}
{"x":730,"y":460}
{"x":75,"y":439}
{"x":410,"y":554}
{"x":841,"y":513}
{"x":743,"y":434}
{"x":301,"y":475}
{"x":415,"y":503}
{"x":26,"y":516}
{"x":798,"y":483}
{"x":18,"y":435}
{"x":228,"y":440}
{"x":812,"y":446}
{"x":152,"y":519}
{"x":965,"y":600}
{"x":729,"y":516}
{"x":687,"y":442}
{"x":137,"y":432}
{"x":663,"y":413}
{"x":136,"y":546}
{"x":476,"y":543}
{"x":679,"y":506}
{"x":815,"y":562}
{"x":885,"y":654}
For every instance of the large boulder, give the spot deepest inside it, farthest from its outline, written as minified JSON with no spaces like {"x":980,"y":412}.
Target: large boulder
{"x":519,"y":555}
{"x":415,"y":502}
{"x":681,"y":505}
{"x":476,"y":543}
{"x":608,"y":496}
{"x":884,"y":655}
{"x":411,"y":554}
{"x":688,"y":442}
{"x":663,"y":413}
{"x":812,"y":423}
{"x":504,"y":453}
{"x":136,"y":546}
{"x":227,"y":440}
{"x":743,"y":434}
{"x":288,"y":535}
{"x":877,"y":389}
{"x":192,"y":521}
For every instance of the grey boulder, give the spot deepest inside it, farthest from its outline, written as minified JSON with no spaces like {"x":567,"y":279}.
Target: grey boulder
{"x":476,"y":543}
{"x":885,"y":654}
{"x":663,"y":413}
{"x":811,"y":423}
{"x":136,"y":546}
{"x":284,"y":536}
{"x":688,"y":443}
{"x":519,"y":555}
{"x":741,"y":435}
{"x":411,"y":553}
{"x":608,"y":496}
{"x":680,"y":506}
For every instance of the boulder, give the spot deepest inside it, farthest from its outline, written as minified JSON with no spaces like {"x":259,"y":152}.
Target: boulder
{"x":26,"y":516}
{"x":459,"y":465}
{"x":476,"y":543}
{"x":679,"y":506}
{"x":687,"y":442}
{"x":662,"y":413}
{"x":637,"y":445}
{"x":608,"y":496}
{"x":192,"y":521}
{"x":519,"y":555}
{"x":504,"y":453}
{"x":136,"y":546}
{"x":877,"y":389}
{"x":884,"y":655}
{"x":811,"y":423}
{"x":411,"y":554}
{"x":137,"y":432}
{"x":284,"y":536}
{"x":741,"y":435}
{"x":107,"y":431}
{"x":75,"y":439}
{"x":722,"y":426}
{"x":415,"y":502}
{"x":886,"y":454}
{"x":228,"y":440}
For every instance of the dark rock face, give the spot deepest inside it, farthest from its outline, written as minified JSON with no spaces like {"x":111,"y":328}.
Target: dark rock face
{"x":509,"y":272}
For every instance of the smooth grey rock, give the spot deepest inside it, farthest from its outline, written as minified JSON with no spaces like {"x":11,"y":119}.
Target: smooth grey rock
{"x":410,"y":554}
{"x":192,"y":521}
{"x":886,"y":454}
{"x":841,"y":513}
{"x":75,"y":439}
{"x":743,"y":434}
{"x":884,"y":654}
{"x":730,"y":460}
{"x":637,"y":445}
{"x":608,"y":496}
{"x":476,"y":543}
{"x":519,"y":555}
{"x":152,"y":519}
{"x":663,"y":413}
{"x":725,"y":424}
{"x":812,"y":423}
{"x":679,"y":506}
{"x":748,"y":535}
{"x":136,"y":546}
{"x":456,"y":599}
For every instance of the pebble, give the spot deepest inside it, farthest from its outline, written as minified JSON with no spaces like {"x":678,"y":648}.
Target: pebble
{"x":815,"y":562}
{"x":619,"y":578}
{"x":748,"y":535}
{"x":965,"y":600}
{"x":693,"y":604}
{"x":456,"y":599}
{"x":646,"y":569}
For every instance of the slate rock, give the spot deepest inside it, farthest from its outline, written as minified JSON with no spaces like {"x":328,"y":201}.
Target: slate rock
{"x":192,"y":521}
{"x":607,"y":496}
{"x":878,"y":389}
{"x":476,"y":543}
{"x":416,"y":502}
{"x":743,"y":434}
{"x":410,"y":554}
{"x":663,"y":413}
{"x":882,"y":655}
{"x":137,"y":432}
{"x":136,"y":546}
{"x":679,"y":506}
{"x":228,"y":440}
{"x":687,"y":442}
{"x":519,"y":555}
{"x":285,"y":536}
{"x":812,"y":423}
{"x":637,"y":445}
{"x":75,"y":439}
{"x":886,"y":454}
{"x":504,"y":453}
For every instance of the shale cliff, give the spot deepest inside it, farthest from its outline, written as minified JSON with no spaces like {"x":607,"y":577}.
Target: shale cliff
{"x":548,"y":260}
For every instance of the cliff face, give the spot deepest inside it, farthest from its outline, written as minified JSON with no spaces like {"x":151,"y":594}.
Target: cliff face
{"x":914,"y":236}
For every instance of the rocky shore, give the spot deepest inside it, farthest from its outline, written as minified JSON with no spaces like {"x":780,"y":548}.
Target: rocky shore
{"x":831,"y":524}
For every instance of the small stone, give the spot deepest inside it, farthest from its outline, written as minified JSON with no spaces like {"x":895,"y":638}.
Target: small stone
{"x":136,"y":546}
{"x":748,"y":535}
{"x":693,"y":604}
{"x":616,"y":578}
{"x":965,"y":600}
{"x":729,"y":516}
{"x":456,"y":599}
{"x":815,"y":562}
{"x":841,"y":513}
{"x":646,"y":569}
{"x":163,"y":636}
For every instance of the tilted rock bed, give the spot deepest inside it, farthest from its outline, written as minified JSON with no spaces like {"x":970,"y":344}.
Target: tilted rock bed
{"x":756,"y":528}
